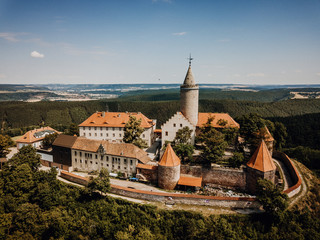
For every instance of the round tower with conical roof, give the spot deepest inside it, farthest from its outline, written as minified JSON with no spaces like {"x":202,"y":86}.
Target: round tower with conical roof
{"x":169,"y":169}
{"x":189,"y":97}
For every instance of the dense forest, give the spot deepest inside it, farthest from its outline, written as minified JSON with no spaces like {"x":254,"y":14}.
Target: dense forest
{"x":21,"y":114}
{"x":35,"y":205}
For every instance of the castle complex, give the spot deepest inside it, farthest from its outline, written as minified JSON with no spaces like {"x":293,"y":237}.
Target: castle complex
{"x":100,"y":146}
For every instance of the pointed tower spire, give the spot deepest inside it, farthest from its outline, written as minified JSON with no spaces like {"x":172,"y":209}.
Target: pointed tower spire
{"x":261,"y":159}
{"x":189,"y":95}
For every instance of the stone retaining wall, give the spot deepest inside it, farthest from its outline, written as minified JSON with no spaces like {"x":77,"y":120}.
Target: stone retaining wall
{"x":74,"y":178}
{"x":296,"y":180}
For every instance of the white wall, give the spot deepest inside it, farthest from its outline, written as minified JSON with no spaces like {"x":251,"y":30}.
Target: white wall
{"x":176,"y":122}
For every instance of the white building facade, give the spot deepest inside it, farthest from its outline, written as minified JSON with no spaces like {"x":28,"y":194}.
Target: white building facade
{"x":110,"y":126}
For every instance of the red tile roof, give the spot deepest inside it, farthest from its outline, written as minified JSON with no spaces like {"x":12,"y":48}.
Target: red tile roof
{"x":115,"y":119}
{"x":190,"y":181}
{"x":261,"y":159}
{"x":169,"y":158}
{"x":31,"y":136}
{"x":115,"y":149}
{"x":203,"y":119}
{"x":146,"y":166}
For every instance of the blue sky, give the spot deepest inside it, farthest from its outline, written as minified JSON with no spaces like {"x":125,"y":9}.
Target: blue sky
{"x":148,"y":41}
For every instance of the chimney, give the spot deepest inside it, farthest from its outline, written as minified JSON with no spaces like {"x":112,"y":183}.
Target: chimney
{"x":103,"y":114}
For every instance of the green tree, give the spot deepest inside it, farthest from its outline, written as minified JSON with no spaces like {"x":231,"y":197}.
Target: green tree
{"x":280,"y":134}
{"x":183,"y":136}
{"x":26,"y":155}
{"x":5,"y":143}
{"x":213,"y":143}
{"x":72,"y":130}
{"x":48,"y":140}
{"x":253,"y":129}
{"x":100,"y":183}
{"x":274,"y":201}
{"x":133,"y":131}
{"x":184,"y":151}
{"x":236,"y":160}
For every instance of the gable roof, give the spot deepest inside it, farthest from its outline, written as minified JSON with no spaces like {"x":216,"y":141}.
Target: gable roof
{"x":115,"y":149}
{"x":65,"y":141}
{"x":115,"y":119}
{"x":261,"y":159}
{"x":169,"y":158}
{"x":203,"y":119}
{"x":36,"y":135}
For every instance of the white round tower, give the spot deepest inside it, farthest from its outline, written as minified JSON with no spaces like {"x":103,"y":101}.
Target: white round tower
{"x":189,"y":97}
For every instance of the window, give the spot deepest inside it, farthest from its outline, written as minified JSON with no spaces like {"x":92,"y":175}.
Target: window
{"x":101,"y":164}
{"x":119,"y":134}
{"x":107,"y":134}
{"x":118,"y":167}
{"x":80,"y":161}
{"x":75,"y":153}
{"x":143,"y":135}
{"x":95,"y":134}
{"x":89,"y":128}
{"x":96,"y":156}
{"x":107,"y":165}
{"x":180,"y":124}
{"x":95,"y":128}
{"x":114,"y":135}
{"x":125,"y":168}
{"x":80,"y":154}
{"x":85,"y":161}
{"x":101,"y":128}
{"x":84,"y":134}
{"x":75,"y":160}
{"x":101,"y":157}
{"x":107,"y":158}
{"x":113,"y":129}
{"x":166,"y":133}
{"x":90,"y":162}
{"x":125,"y":161}
{"x":174,"y":125}
{"x":89,"y":134}
{"x":101,"y":134}
{"x":131,"y":162}
{"x":96,"y":162}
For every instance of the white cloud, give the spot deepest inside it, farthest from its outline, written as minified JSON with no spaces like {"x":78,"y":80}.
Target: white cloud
{"x":256,"y":75}
{"x":36,"y":54}
{"x":179,"y":33}
{"x":10,"y":37}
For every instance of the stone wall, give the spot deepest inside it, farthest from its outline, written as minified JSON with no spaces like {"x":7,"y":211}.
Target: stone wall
{"x":296,"y":180}
{"x":150,"y":174}
{"x":189,"y":100}
{"x":74,"y":178}
{"x":227,"y":177}
{"x":234,"y":202}
{"x":168,"y":177}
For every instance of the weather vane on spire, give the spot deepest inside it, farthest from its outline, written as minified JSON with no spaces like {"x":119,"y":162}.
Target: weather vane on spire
{"x":190,"y":59}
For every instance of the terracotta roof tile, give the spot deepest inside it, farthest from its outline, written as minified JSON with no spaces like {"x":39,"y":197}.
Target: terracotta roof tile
{"x":65,"y":141}
{"x":115,"y":119}
{"x":36,"y":135}
{"x":190,"y":181}
{"x":261,"y":159}
{"x":146,"y":166}
{"x":203,"y":119}
{"x":115,"y":149}
{"x":169,"y":158}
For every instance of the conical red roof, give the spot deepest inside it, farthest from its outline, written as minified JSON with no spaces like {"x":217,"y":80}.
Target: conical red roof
{"x":261,"y":159}
{"x":169,"y":158}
